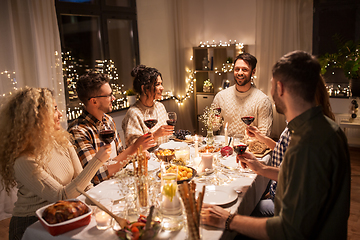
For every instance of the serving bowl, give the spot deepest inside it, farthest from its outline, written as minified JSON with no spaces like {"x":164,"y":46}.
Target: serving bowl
{"x":165,"y":155}
{"x":68,"y":225}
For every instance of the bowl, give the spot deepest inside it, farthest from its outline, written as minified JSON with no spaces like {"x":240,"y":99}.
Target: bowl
{"x":165,"y":155}
{"x":194,"y":172}
{"x":209,"y":149}
{"x":59,"y":228}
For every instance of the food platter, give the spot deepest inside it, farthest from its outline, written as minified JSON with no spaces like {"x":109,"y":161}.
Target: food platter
{"x":194,"y":172}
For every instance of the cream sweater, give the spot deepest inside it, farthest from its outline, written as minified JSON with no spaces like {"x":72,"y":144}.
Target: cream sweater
{"x":56,"y":182}
{"x":235,"y":105}
{"x":133,"y":124}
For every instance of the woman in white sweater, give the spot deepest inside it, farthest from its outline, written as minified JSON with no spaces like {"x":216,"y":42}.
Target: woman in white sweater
{"x":37,"y":157}
{"x":148,"y":84}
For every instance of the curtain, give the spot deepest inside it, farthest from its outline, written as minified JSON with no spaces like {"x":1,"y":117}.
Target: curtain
{"x":30,"y":56}
{"x":281,"y":26}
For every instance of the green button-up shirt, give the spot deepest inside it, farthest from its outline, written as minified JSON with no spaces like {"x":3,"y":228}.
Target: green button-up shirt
{"x":313,"y":194}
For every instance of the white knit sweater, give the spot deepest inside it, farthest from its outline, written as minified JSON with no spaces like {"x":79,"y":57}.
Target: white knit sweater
{"x":235,"y":105}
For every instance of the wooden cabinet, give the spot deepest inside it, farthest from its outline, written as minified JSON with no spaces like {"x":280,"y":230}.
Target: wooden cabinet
{"x":209,"y":65}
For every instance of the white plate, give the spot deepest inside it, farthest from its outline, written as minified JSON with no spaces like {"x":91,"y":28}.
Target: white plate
{"x":152,"y":165}
{"x":219,"y":195}
{"x":229,"y":161}
{"x":172,"y":145}
{"x":108,"y":189}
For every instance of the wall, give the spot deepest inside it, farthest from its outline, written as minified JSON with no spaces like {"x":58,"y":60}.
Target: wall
{"x":168,"y":29}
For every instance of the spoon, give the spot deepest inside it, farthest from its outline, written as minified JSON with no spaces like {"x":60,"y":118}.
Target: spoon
{"x":121,"y":221}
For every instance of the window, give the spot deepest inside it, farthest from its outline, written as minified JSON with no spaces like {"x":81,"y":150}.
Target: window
{"x":98,"y":35}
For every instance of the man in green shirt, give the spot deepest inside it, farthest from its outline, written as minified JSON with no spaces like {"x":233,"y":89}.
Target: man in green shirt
{"x":313,"y":193}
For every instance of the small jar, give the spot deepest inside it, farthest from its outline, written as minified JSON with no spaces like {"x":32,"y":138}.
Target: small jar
{"x":182,"y":155}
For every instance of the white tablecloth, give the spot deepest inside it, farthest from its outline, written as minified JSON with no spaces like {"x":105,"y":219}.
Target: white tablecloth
{"x":252,"y":185}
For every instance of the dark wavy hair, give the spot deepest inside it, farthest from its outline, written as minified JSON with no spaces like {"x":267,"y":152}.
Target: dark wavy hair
{"x":248,"y":58}
{"x":299,"y":72}
{"x":89,"y":85}
{"x":144,"y":76}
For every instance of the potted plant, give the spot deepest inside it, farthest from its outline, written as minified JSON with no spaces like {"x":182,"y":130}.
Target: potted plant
{"x":347,"y":58}
{"x":130,"y":96}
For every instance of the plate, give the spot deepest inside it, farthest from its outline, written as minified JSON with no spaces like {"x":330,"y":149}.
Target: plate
{"x":194,"y":172}
{"x":219,"y":195}
{"x":108,"y":188}
{"x":172,"y":145}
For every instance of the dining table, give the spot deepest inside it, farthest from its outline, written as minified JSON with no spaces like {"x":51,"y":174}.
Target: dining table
{"x":227,"y":186}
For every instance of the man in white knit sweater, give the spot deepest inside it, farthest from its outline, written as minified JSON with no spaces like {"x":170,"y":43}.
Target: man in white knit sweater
{"x":243,"y":99}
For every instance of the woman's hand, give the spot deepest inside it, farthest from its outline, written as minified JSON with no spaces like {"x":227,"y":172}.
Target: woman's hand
{"x":146,"y":141}
{"x":164,"y":130}
{"x":214,"y":215}
{"x":248,"y":159}
{"x":104,"y":153}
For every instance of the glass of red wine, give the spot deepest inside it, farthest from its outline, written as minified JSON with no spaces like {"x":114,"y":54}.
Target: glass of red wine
{"x":239,"y":149}
{"x":150,"y":118}
{"x":247,"y":120}
{"x":172,"y":121}
{"x":106,"y":133}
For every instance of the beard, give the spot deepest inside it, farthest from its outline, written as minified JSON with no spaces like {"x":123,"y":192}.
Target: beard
{"x":279,"y":104}
{"x":246,"y":80}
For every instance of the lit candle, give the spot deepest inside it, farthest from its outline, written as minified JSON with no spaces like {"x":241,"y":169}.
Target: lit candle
{"x":102,"y":220}
{"x":196,"y":147}
{"x":206,"y":161}
{"x":226,"y":134}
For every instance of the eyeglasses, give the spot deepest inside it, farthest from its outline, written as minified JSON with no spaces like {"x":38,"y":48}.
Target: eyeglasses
{"x":108,"y":96}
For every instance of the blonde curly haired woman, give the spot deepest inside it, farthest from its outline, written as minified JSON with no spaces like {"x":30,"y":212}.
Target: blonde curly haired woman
{"x":37,"y":157}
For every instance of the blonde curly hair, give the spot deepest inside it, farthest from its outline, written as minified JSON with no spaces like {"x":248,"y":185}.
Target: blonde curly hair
{"x":27,"y":127}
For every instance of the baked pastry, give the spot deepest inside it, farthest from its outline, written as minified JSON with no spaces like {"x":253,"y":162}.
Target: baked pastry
{"x":257,"y":147}
{"x":64,"y":210}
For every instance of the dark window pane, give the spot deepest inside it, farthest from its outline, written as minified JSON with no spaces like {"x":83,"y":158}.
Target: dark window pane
{"x":81,"y":49}
{"x":81,"y":35}
{"x":121,"y":48}
{"x":118,"y":3}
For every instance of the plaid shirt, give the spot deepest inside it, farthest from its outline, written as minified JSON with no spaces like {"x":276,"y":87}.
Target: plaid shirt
{"x":278,"y":156}
{"x":86,"y":141}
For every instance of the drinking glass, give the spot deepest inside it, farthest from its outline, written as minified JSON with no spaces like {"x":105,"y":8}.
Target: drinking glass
{"x":239,"y":148}
{"x":150,"y":118}
{"x":172,"y":121}
{"x":106,"y":132}
{"x":248,"y":119}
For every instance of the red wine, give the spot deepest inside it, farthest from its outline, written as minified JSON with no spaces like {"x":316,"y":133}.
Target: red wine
{"x":150,"y":123}
{"x":248,"y":120}
{"x":218,"y":111}
{"x":107,"y":136}
{"x":171,"y":122}
{"x":240,"y":149}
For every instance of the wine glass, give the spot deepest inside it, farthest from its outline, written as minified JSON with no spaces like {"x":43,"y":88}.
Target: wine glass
{"x":247,"y":120}
{"x":150,"y":118}
{"x":239,"y":149}
{"x":106,"y":133}
{"x":172,"y":118}
{"x":172,"y":121}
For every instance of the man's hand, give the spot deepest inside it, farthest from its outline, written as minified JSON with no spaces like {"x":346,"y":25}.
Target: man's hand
{"x":214,"y":215}
{"x":248,"y":159}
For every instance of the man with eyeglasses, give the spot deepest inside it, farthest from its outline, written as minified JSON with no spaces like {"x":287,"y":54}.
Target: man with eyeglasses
{"x":94,"y":91}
